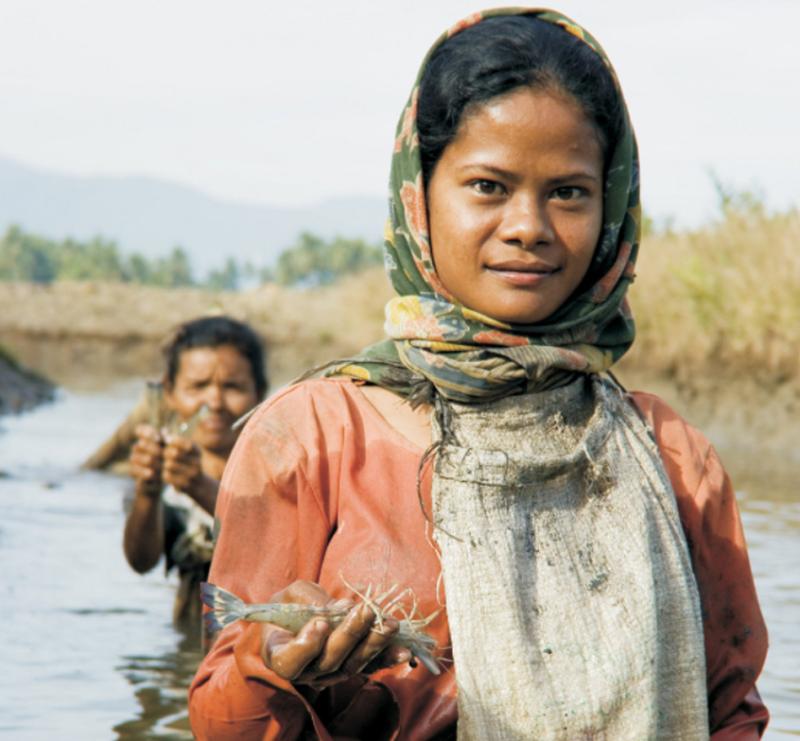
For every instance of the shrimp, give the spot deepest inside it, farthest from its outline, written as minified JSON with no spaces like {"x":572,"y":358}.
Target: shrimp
{"x":227,"y":608}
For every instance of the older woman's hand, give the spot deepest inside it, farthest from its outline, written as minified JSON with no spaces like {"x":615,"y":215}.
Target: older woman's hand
{"x":182,"y":466}
{"x":183,"y":470}
{"x":321,"y":655}
{"x":146,"y":460}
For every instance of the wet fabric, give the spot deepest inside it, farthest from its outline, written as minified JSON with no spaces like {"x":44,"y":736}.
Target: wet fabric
{"x":471,"y":357}
{"x":188,"y":545}
{"x":319,"y":485}
{"x":571,"y":600}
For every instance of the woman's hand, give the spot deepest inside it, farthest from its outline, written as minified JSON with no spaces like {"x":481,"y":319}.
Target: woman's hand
{"x":321,"y":655}
{"x":146,"y":460}
{"x":182,"y":466}
{"x":156,"y":461}
{"x":183,"y":470}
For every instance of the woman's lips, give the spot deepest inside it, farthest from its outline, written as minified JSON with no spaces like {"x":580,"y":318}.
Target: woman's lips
{"x":215,"y":424}
{"x":522,"y":274}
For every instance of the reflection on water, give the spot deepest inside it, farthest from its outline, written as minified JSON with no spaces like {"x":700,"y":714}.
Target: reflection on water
{"x":90,"y":651}
{"x":160,"y":684}
{"x":773,"y":535}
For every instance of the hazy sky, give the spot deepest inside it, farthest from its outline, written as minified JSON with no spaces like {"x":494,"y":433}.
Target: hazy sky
{"x":296,"y":101}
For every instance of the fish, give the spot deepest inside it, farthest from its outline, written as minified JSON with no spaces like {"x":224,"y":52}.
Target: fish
{"x":226,"y":608}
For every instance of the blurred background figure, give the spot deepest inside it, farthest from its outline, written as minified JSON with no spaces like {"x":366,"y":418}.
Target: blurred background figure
{"x":214,"y":373}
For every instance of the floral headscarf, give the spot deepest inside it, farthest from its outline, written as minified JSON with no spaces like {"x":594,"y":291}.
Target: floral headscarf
{"x":470,"y":357}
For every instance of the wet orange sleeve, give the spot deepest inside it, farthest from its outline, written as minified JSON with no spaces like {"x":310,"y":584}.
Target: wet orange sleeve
{"x":735,"y":633}
{"x":266,"y":504}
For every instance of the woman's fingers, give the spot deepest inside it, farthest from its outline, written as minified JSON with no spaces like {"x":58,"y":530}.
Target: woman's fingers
{"x":356,"y":642}
{"x":144,"y":472}
{"x":144,"y":431}
{"x":321,"y":655}
{"x":351,"y":633}
{"x":181,"y":447}
{"x":180,"y":452}
{"x":182,"y":463}
{"x":376,"y":641}
{"x":146,"y":455}
{"x":287,"y":654}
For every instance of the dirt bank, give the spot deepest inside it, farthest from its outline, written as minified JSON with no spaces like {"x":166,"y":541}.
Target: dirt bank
{"x":20,"y":388}
{"x":87,"y":336}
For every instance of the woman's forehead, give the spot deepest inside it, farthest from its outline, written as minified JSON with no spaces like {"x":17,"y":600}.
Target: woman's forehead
{"x":201,"y":361}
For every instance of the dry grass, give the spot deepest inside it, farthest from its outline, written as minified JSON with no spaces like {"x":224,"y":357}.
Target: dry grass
{"x":723,"y":300}
{"x":301,"y":327}
{"x":719,"y":302}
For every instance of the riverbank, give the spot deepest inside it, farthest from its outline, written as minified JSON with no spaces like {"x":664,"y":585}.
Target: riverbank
{"x":88,"y":335}
{"x":20,"y":388}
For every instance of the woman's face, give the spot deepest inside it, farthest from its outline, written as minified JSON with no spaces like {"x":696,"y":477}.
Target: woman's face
{"x":222,"y":379}
{"x":515,"y":205}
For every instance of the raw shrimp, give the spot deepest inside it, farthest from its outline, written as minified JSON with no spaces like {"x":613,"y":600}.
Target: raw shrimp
{"x":227,"y":608}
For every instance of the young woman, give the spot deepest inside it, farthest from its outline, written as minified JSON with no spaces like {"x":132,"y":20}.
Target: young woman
{"x":214,"y":362}
{"x":584,"y":542}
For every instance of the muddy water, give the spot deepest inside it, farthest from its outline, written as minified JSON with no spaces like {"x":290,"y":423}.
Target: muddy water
{"x":89,"y":649}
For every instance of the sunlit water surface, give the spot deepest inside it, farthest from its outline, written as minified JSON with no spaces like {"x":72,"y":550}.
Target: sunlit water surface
{"x":89,"y":649}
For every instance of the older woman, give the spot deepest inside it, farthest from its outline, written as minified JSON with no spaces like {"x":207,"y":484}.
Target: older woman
{"x":215,"y":363}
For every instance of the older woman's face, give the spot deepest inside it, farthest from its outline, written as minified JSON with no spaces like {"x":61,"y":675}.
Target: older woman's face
{"x":515,"y":205}
{"x":220,"y":378}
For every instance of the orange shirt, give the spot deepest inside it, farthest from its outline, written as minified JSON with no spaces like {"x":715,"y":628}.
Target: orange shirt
{"x":321,"y":487}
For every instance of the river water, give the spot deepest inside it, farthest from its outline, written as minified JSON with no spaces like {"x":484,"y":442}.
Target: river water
{"x":90,"y":651}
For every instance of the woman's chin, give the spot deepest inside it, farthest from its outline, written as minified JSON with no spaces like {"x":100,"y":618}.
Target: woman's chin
{"x":220,"y":442}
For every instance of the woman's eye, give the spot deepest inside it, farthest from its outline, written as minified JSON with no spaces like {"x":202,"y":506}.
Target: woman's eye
{"x":568,"y":193}
{"x":487,"y":187}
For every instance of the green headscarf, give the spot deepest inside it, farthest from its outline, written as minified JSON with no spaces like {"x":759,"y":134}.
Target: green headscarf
{"x":469,"y":357}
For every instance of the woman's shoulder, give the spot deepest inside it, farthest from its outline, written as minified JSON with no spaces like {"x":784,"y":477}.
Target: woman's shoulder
{"x":665,"y":421}
{"x":314,"y":396}
{"x":332,"y":408}
{"x":685,"y":450}
{"x":324,"y":414}
{"x":291,"y":433}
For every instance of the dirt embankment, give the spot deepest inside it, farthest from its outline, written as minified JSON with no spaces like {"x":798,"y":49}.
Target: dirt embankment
{"x":87,"y":335}
{"x":20,"y":388}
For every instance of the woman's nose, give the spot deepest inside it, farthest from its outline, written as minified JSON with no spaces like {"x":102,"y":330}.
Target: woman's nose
{"x":213,"y":397}
{"x":526,"y":223}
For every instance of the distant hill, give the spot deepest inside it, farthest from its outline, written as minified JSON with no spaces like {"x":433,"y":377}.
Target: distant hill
{"x":151,"y":216}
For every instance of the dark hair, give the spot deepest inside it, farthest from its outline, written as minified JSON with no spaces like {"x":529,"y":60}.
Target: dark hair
{"x":498,"y":55}
{"x":215,"y":331}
